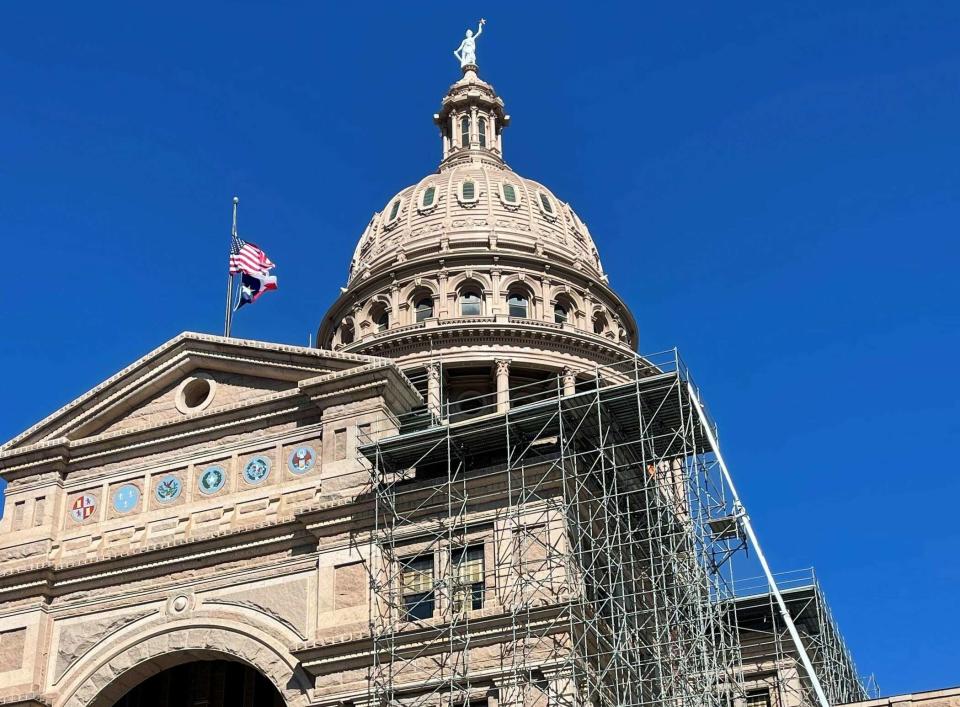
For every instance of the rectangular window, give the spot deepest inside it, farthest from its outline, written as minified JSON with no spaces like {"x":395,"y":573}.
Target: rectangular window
{"x":340,"y":445}
{"x":416,"y":576}
{"x":758,"y":698}
{"x":509,"y":194}
{"x":468,"y":191}
{"x":468,"y":576}
{"x":19,"y":508}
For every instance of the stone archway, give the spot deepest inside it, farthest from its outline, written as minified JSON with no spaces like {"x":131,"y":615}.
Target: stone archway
{"x":213,"y":683}
{"x":139,"y":661}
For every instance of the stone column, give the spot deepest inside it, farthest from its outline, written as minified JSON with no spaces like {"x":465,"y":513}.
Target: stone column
{"x":474,"y":132}
{"x":569,"y":381}
{"x":433,"y":388}
{"x":503,"y":384}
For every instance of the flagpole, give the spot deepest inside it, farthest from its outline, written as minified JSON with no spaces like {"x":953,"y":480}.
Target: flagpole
{"x":228,"y":320}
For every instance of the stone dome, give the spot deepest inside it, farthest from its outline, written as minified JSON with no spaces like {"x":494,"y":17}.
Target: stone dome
{"x":474,"y":206}
{"x":476,"y":279}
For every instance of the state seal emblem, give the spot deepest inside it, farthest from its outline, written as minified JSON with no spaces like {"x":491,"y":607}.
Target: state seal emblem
{"x":126,"y":498}
{"x":83,"y":507}
{"x":168,"y":489}
{"x":256,"y":470}
{"x":301,"y":460}
{"x":212,"y":479}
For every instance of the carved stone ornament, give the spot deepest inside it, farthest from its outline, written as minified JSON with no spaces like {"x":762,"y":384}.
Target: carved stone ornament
{"x":179,"y":604}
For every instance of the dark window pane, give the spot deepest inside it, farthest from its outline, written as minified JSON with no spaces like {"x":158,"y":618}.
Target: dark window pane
{"x":517,"y":305}
{"x":560,"y":314}
{"x":394,"y":210}
{"x":428,"y":195}
{"x":424,"y":309}
{"x":418,"y":606}
{"x":464,"y":132}
{"x":383,"y":321}
{"x":509,"y":194}
{"x":470,"y":304}
{"x":469,"y":191}
{"x":545,"y":201}
{"x":482,"y":129}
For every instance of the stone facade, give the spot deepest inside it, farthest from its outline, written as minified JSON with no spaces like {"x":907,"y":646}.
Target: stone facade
{"x":211,"y":501}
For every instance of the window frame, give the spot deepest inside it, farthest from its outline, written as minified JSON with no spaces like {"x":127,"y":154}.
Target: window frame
{"x":503,"y":194}
{"x":482,"y":131}
{"x":416,"y":308}
{"x":378,"y":320}
{"x":563,"y":307}
{"x":461,"y":301}
{"x":418,"y":605}
{"x":476,"y":192}
{"x":474,"y":591}
{"x":421,"y":204}
{"x":393,"y":215}
{"x":547,"y":207}
{"x":520,"y":295}
{"x":465,"y":122}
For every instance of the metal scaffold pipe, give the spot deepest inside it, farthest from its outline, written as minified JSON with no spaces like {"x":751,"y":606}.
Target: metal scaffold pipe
{"x":744,"y":518}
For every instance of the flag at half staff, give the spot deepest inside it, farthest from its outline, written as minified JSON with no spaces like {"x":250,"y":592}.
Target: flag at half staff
{"x":252,"y":286}
{"x":247,"y":258}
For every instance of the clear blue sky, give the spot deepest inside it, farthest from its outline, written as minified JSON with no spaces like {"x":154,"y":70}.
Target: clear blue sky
{"x":773,"y":188}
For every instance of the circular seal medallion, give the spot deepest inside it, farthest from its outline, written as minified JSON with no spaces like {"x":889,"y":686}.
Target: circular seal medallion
{"x":302,"y":460}
{"x":212,"y":479}
{"x":256,"y":470}
{"x":168,"y":489}
{"x":83,"y":507}
{"x":126,"y":498}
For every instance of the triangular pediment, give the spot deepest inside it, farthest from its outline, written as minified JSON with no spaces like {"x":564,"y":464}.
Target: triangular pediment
{"x":190,"y":375}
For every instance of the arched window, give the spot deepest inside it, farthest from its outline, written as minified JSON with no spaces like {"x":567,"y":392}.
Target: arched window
{"x":427,"y":197}
{"x":546,"y":204}
{"x":424,"y":308}
{"x":346,"y":333}
{"x":517,"y":305}
{"x":508,"y":193}
{"x":482,"y":131}
{"x":464,"y":131}
{"x":383,"y":320}
{"x":560,"y":313}
{"x":394,"y":212}
{"x":470,"y":304}
{"x":468,"y":191}
{"x":599,"y":324}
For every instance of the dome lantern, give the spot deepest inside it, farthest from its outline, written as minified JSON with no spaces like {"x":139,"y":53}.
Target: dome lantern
{"x":471,"y":122}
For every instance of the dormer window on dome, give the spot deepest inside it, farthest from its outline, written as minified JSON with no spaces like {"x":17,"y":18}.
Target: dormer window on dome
{"x":428,"y":198}
{"x":394,"y":213}
{"x":468,"y":192}
{"x":508,"y":194}
{"x":546,"y":205}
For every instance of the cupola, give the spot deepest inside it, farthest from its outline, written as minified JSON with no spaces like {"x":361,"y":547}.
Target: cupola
{"x":471,"y":122}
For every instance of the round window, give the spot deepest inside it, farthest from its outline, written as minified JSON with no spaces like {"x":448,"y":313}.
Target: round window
{"x":195,"y":393}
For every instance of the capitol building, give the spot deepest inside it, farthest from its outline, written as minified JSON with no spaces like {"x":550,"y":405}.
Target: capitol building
{"x":472,"y":491}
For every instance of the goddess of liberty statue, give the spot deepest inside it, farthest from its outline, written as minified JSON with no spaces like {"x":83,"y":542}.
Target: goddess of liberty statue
{"x":467,"y":51}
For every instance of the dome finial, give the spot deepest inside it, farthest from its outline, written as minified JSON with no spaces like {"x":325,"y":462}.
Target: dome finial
{"x":467,"y":51}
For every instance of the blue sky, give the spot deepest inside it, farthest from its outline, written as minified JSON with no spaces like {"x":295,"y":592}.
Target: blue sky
{"x":773,"y":188}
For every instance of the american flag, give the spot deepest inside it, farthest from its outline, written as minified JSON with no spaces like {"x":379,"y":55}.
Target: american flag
{"x":246,"y":257}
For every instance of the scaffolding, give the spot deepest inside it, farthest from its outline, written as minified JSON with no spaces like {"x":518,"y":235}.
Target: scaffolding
{"x":574,"y":549}
{"x":772,"y":671}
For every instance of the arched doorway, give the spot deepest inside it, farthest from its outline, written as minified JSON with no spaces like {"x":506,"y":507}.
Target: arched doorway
{"x":204,"y":683}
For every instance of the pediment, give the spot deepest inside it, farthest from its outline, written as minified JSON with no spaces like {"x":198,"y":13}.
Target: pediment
{"x":190,"y":375}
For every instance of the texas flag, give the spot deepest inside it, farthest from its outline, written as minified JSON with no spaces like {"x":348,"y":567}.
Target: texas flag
{"x":252,"y":286}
